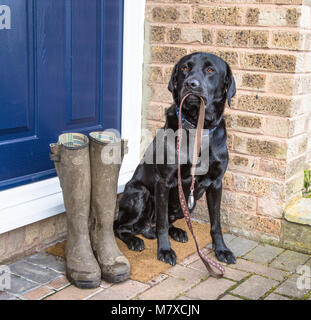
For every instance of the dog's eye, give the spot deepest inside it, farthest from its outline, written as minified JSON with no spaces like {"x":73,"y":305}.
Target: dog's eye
{"x":186,"y":68}
{"x":210,"y":69}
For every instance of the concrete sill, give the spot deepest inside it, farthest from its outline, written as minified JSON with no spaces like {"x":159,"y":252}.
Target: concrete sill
{"x":299,"y":212}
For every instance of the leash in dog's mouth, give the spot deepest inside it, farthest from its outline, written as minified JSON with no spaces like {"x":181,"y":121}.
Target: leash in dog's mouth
{"x":185,"y":206}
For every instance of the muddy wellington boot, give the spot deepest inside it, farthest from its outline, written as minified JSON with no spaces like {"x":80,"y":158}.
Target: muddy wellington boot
{"x":106,"y":152}
{"x":71,"y":158}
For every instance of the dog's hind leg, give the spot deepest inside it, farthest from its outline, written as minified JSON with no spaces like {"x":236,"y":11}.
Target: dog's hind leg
{"x":131,"y":217}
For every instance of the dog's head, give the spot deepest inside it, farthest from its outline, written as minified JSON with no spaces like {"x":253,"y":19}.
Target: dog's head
{"x":205,"y":75}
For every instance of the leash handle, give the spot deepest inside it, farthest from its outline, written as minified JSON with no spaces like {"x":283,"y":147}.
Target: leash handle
{"x":197,"y":146}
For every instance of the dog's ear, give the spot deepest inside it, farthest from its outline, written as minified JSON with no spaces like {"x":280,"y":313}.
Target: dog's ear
{"x":230,"y":85}
{"x":173,"y":82}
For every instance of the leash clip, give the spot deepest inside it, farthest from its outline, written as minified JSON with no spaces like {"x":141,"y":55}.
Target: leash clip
{"x":191,"y":200}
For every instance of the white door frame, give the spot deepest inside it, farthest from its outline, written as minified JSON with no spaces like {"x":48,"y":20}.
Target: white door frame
{"x":33,"y":202}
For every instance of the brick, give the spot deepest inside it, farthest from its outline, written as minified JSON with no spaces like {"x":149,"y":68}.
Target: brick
{"x":252,"y":16}
{"x":33,"y":272}
{"x":184,"y":273}
{"x":242,"y":38}
{"x":207,"y":35}
{"x":61,"y":223}
{"x":294,"y":186}
{"x":297,"y":145}
{"x":190,"y":259}
{"x":263,"y":253}
{"x":259,"y":269}
{"x":295,"y":166}
{"x":228,"y":237}
{"x":167,"y":54}
{"x":210,"y":289}
{"x":271,"y":207}
{"x":234,"y":274}
{"x":73,"y":293}
{"x":298,"y":126}
{"x":217,"y":15}
{"x":187,"y":35}
{"x":290,"y":288}
{"x":230,"y":297}
{"x":6,"y":296}
{"x":231,"y":57}
{"x":277,"y":127}
{"x":265,"y":105}
{"x":229,"y":140}
{"x":47,"y":228}
{"x":58,"y":283}
{"x":243,"y":163}
{"x":156,"y":75}
{"x":273,"y":296}
{"x":240,"y":246}
{"x":239,"y":201}
{"x":155,"y":112}
{"x":256,"y":81}
{"x":15,"y":241}
{"x":276,"y":16}
{"x":273,"y":168}
{"x":20,"y":285}
{"x":157,"y":34}
{"x":283,"y":84}
{"x":157,"y":279}
{"x":32,"y":234}
{"x":45,"y":260}
{"x":286,"y":40}
{"x":168,"y":14}
{"x":38,"y":293}
{"x":248,"y":122}
{"x":122,"y":291}
{"x":166,"y":290}
{"x":240,"y":182}
{"x":269,"y":62}
{"x":160,"y":93}
{"x":289,"y":260}
{"x":3,"y":244}
{"x":260,"y":147}
{"x":254,"y":287}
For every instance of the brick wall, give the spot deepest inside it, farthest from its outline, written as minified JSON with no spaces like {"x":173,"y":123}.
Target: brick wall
{"x":267,"y":43}
{"x":31,"y":238}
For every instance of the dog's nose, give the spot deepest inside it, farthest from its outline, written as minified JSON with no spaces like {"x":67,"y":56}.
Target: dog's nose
{"x":193,"y":84}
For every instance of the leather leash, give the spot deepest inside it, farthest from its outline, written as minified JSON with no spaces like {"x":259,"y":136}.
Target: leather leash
{"x":197,"y":147}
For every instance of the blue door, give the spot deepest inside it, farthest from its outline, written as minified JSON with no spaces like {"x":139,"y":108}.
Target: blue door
{"x":60,"y":71}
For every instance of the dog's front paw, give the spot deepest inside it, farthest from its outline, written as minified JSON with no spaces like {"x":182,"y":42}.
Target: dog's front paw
{"x":136,"y":244}
{"x":167,"y":256}
{"x":225,"y":256}
{"x":178,"y":234}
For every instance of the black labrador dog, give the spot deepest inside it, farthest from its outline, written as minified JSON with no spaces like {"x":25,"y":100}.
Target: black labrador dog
{"x":150,"y":202}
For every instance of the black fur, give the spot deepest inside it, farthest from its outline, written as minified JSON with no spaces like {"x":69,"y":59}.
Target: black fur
{"x":150,"y":203}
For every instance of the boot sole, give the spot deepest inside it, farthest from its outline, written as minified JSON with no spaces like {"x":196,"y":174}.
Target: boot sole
{"x":84,"y":284}
{"x":116,"y":278}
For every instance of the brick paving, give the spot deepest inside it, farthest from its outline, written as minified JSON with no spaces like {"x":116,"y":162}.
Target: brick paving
{"x":262,"y":272}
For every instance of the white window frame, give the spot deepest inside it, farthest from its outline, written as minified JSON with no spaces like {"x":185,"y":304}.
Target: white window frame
{"x":33,"y":202}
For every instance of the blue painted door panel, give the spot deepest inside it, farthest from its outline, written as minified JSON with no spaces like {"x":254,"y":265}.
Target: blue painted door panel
{"x":60,"y":71}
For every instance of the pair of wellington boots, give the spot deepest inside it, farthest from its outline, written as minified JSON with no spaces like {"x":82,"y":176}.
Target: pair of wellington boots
{"x":88,"y":171}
